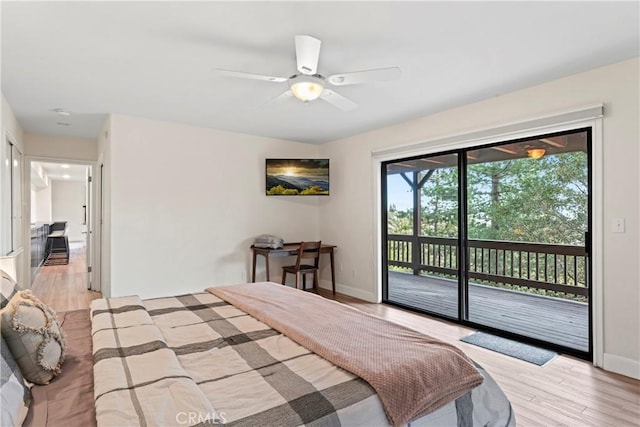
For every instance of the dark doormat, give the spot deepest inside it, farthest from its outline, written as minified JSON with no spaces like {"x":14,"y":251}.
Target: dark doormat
{"x":526,"y":352}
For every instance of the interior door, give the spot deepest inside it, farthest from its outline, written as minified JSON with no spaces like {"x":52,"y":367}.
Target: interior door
{"x":101,"y":239}
{"x":88,"y":226}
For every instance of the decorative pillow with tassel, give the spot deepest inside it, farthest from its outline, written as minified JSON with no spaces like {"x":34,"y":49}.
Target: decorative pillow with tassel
{"x":34,"y":337}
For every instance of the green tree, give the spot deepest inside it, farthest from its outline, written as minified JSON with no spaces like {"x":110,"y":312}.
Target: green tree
{"x":542,"y":200}
{"x":399,"y":222}
{"x":439,"y":203}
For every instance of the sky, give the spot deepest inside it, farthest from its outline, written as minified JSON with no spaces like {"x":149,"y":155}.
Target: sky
{"x":399,"y":193}
{"x":308,"y":168}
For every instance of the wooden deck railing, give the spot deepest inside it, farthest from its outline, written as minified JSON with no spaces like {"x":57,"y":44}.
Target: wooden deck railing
{"x":559,"y":268}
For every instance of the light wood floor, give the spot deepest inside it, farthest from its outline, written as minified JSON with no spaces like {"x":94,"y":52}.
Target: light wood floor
{"x":64,"y":287}
{"x":564,"y":392}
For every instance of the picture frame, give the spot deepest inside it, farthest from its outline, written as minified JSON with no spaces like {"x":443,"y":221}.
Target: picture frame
{"x":297,"y":177}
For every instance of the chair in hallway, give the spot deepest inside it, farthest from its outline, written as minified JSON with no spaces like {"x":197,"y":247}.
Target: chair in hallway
{"x":57,"y":244}
{"x":307,"y":251}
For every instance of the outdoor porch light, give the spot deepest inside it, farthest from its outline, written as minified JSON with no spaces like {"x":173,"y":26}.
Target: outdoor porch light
{"x":306,"y":88}
{"x":536,"y":153}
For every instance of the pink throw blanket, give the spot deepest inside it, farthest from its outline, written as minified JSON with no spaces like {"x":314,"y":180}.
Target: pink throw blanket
{"x":413,"y":374}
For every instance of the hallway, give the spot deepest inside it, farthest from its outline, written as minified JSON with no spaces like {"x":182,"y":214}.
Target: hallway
{"x":64,"y":287}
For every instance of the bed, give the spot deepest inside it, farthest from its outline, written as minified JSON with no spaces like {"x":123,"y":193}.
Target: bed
{"x":233,"y":356}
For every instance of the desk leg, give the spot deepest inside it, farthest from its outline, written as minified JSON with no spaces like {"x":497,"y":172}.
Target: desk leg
{"x":266,"y":261}
{"x":253,"y":272}
{"x":333,"y":273}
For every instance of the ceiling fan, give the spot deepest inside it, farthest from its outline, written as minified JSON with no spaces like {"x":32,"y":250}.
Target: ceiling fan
{"x":308,"y":85}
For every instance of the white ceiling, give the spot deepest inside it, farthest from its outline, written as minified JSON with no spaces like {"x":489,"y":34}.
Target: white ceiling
{"x":156,"y":59}
{"x":62,"y":171}
{"x":59,"y":171}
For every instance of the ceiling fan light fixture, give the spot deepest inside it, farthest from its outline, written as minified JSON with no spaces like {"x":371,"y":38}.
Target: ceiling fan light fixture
{"x":536,"y":153}
{"x":306,"y":88}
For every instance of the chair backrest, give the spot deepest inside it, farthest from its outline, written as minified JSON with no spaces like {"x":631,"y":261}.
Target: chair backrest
{"x":308,"y":250}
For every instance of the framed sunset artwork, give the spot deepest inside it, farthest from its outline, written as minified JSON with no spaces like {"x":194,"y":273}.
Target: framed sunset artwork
{"x":297,"y":177}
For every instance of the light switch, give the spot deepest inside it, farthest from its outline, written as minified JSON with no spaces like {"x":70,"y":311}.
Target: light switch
{"x":617,"y":225}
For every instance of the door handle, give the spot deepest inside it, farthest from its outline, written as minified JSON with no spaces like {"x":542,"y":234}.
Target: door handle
{"x":587,"y":242}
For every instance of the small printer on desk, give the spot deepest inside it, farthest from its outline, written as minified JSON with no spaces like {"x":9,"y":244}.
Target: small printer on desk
{"x":268,"y":241}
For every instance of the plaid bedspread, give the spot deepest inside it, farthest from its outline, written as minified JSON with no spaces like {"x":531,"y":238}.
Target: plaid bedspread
{"x":196,"y":360}
{"x":138,"y":379}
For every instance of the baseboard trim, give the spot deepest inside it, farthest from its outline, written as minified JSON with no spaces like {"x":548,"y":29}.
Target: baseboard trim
{"x":621,"y":365}
{"x":349,"y":291}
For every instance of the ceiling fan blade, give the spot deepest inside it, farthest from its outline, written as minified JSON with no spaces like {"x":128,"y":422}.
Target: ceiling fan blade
{"x":283,"y":96}
{"x":367,"y":76}
{"x":243,"y":75}
{"x":338,"y":100}
{"x":307,"y":54}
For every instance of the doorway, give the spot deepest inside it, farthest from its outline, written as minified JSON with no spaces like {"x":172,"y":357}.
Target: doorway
{"x":495,"y":237}
{"x":61,"y":201}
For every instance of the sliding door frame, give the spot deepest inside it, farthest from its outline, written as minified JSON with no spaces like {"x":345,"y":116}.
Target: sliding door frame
{"x":384,"y":229}
{"x":463,"y":241}
{"x":588,"y":118}
{"x":384,"y":281}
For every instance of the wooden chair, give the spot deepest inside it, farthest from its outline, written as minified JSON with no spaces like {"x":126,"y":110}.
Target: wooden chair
{"x":307,"y":251}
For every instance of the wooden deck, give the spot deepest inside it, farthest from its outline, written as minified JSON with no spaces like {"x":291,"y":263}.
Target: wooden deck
{"x":554,"y":320}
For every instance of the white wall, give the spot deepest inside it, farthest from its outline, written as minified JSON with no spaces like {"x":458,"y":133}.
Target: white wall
{"x":40,"y":194}
{"x":41,"y":212}
{"x":187,"y":202}
{"x":347,"y":217}
{"x":10,"y":125}
{"x":60,"y":147}
{"x":67,"y":198}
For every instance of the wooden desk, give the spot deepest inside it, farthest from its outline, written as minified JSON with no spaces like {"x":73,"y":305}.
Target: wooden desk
{"x":290,"y":249}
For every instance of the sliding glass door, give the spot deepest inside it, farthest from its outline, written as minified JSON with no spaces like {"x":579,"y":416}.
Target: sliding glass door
{"x":495,"y":236}
{"x":422,"y":205}
{"x":527,"y":221}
